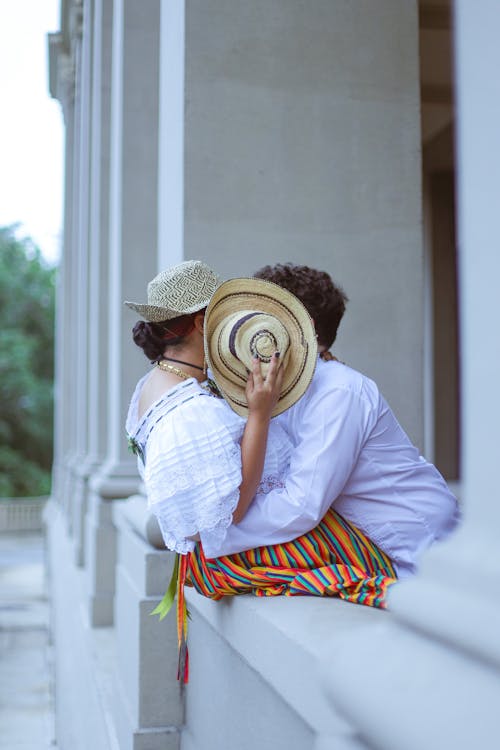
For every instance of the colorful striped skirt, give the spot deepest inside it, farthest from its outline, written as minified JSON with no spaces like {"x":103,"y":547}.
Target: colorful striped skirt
{"x":334,"y":559}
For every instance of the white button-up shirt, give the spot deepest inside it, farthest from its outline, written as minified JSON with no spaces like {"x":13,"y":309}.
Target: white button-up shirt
{"x":351,"y":453}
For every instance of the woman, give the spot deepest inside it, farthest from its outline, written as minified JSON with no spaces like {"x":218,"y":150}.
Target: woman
{"x":202,"y":463}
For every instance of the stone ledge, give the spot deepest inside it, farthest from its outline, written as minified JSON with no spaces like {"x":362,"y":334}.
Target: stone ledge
{"x":402,"y":690}
{"x":453,"y":599}
{"x":283,"y":640}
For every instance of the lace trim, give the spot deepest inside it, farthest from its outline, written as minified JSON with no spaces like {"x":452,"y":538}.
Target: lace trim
{"x":269,"y":483}
{"x":200,"y":523}
{"x":137,"y":440}
{"x":224,"y":463}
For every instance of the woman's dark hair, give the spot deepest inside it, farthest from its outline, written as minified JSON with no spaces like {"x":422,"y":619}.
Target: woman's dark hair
{"x":153,"y":338}
{"x":324,"y":301}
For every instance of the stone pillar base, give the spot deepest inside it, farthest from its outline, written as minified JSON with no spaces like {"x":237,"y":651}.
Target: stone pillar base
{"x":146,"y":647}
{"x":100,"y":544}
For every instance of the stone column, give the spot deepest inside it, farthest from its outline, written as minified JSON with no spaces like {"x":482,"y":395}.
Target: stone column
{"x":479,"y":260}
{"x":171,"y":143}
{"x":301,"y":142}
{"x":439,"y":658}
{"x":451,"y":569}
{"x":68,"y":387}
{"x":72,"y":394}
{"x":132,"y":263}
{"x":99,"y":532}
{"x":81,"y":288}
{"x":99,"y":264}
{"x":62,"y":87}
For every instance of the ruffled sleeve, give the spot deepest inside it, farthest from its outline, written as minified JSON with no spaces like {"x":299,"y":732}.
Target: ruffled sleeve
{"x":193,"y":472}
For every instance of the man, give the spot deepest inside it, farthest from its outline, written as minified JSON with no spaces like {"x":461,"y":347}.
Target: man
{"x":349,"y":453}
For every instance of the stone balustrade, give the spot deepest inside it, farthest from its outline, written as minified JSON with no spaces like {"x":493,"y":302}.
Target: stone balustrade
{"x":22,"y":513}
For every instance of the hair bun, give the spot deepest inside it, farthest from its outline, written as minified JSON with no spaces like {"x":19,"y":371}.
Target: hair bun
{"x":150,"y":337}
{"x":141,"y":332}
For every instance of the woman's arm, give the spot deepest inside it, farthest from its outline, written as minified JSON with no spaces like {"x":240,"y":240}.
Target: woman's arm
{"x":262,"y":396}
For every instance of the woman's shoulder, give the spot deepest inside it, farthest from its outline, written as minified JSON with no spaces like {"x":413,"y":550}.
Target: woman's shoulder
{"x":192,"y":412}
{"x":132,"y":420}
{"x":140,"y":422}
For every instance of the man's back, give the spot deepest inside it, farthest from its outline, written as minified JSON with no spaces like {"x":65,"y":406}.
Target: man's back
{"x":350,"y":451}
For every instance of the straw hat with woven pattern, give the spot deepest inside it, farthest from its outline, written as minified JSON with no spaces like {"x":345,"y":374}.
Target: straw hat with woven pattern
{"x":180,"y":290}
{"x":251,"y":317}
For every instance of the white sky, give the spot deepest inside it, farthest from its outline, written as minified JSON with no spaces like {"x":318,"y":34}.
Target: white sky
{"x":31,"y":125}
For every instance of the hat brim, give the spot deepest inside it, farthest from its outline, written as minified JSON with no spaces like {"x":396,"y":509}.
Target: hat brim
{"x":264,"y":296}
{"x":156,"y":314}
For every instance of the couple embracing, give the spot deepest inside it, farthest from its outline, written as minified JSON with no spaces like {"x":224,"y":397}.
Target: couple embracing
{"x":280,"y":470}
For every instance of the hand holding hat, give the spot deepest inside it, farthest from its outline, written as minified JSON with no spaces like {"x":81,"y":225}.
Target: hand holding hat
{"x":248,"y":318}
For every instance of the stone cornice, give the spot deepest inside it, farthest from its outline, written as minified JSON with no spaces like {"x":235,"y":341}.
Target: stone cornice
{"x":61,"y":46}
{"x":61,"y":70}
{"x":71,"y":20}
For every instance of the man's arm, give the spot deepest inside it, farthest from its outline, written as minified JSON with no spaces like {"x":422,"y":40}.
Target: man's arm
{"x":331,"y":429}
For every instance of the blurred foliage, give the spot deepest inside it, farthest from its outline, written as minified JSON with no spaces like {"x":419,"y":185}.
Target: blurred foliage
{"x":27,"y":291}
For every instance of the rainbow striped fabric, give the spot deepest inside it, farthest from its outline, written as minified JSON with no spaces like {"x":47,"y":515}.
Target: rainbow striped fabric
{"x":334,"y":559}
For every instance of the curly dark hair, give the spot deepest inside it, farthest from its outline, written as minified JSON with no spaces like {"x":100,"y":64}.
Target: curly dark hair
{"x":153,"y":338}
{"x":324,"y":300}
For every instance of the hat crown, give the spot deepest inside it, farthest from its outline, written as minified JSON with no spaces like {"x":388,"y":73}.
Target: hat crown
{"x":256,"y":334}
{"x":180,"y":290}
{"x":182,"y":285}
{"x":252,"y":317}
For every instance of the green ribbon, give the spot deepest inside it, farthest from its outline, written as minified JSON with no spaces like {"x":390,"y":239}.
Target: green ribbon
{"x":165,"y":605}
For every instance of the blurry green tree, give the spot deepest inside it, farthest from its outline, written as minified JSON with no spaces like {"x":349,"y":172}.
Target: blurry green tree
{"x":27,"y":291}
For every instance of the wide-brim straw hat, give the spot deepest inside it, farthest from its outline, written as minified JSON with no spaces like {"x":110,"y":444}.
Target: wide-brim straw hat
{"x":252,"y":317}
{"x":180,"y":290}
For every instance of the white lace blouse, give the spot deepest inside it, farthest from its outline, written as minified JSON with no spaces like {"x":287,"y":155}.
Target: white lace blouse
{"x":188,"y":446}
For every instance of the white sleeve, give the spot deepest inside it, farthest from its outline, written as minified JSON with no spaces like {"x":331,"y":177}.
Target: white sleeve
{"x":193,"y":472}
{"x":330,"y":432}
